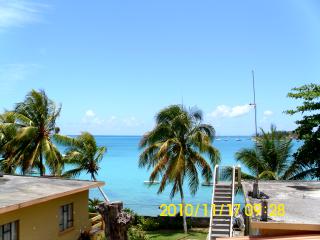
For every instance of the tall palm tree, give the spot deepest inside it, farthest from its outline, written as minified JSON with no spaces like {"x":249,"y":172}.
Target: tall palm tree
{"x":8,"y":131}
{"x":175,"y":149}
{"x":83,"y":154}
{"x":270,"y":158}
{"x":35,"y":119}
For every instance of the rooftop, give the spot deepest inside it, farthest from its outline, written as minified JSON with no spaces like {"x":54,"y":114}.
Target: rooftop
{"x":301,"y":200}
{"x":22,"y":191}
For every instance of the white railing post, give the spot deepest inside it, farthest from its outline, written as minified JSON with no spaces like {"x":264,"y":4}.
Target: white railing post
{"x":232,"y":199}
{"x":212,"y":198}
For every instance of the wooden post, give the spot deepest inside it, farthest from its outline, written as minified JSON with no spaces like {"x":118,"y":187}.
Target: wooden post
{"x":264,"y":211}
{"x":116,"y":220}
{"x":255,"y":190}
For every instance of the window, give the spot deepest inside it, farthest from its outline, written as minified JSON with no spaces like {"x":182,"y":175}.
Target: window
{"x":9,"y":231}
{"x":66,"y":217}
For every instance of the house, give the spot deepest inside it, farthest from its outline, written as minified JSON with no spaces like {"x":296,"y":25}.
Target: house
{"x":40,"y":208}
{"x":293,"y":207}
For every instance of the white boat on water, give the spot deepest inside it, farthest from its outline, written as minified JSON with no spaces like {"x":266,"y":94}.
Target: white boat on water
{"x":151,"y":182}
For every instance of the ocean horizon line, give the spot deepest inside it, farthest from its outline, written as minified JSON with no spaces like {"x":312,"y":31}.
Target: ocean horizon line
{"x":113,"y":135}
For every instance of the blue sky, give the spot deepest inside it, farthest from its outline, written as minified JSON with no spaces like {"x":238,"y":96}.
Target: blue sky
{"x":113,"y":64}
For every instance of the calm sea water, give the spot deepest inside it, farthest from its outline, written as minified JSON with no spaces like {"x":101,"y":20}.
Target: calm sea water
{"x":125,"y":180}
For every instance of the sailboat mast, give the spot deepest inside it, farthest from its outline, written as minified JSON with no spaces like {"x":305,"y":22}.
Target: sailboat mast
{"x":254,"y":104}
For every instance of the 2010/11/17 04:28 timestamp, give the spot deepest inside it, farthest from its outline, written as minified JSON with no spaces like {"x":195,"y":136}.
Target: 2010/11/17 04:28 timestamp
{"x":190,"y":210}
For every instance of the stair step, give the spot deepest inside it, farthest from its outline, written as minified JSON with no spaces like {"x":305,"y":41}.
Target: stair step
{"x":222,"y":216}
{"x":220,"y":202}
{"x":221,"y":220}
{"x":222,"y":213}
{"x":219,"y":235}
{"x":226,"y":231}
{"x":219,"y":208}
{"x":222,"y":198}
{"x":221,"y":225}
{"x":219,"y":205}
{"x":223,"y":186}
{"x":222,"y":193}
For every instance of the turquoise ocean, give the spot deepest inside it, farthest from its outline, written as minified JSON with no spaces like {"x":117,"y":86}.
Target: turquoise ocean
{"x":124,"y":180}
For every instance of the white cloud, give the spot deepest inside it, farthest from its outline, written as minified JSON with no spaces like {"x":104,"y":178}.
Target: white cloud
{"x":223,"y":111}
{"x":267,"y":113}
{"x":90,"y":118}
{"x":16,"y":13}
{"x":89,"y":113}
{"x":266,"y":117}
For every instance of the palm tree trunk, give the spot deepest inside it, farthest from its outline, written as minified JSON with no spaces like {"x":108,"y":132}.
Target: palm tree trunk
{"x":41,"y":161}
{"x":185,"y":229}
{"x":101,"y":190}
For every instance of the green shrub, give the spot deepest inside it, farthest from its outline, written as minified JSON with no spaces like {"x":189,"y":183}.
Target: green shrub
{"x":149,"y":224}
{"x":137,"y":233}
{"x":173,"y":223}
{"x":136,"y":217}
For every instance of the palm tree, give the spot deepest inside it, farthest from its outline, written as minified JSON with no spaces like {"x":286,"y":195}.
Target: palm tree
{"x":35,"y":120}
{"x":8,"y":131}
{"x":271,"y":157}
{"x":175,"y":149}
{"x":93,"y":204}
{"x":84,"y":154}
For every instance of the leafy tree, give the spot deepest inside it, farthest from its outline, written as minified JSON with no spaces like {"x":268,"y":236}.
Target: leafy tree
{"x":35,"y":123}
{"x":8,"y":131}
{"x":93,"y":203}
{"x":83,"y":154}
{"x":270,"y":158}
{"x":174,"y":149}
{"x":308,"y":130}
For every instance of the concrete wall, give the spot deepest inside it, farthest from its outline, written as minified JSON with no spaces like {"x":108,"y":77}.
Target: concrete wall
{"x":41,"y":221}
{"x":281,"y":232}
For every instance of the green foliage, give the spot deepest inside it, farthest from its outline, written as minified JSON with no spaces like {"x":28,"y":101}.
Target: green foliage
{"x":172,"y":223}
{"x":137,"y":233}
{"x":270,"y":158}
{"x":8,"y":131}
{"x":82,"y":153}
{"x":26,"y":133}
{"x":307,"y":158}
{"x":174,"y":149}
{"x":149,"y":224}
{"x":93,"y":203}
{"x":136,"y":218}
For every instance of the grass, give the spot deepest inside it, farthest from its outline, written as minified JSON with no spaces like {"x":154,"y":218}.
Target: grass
{"x":175,"y":235}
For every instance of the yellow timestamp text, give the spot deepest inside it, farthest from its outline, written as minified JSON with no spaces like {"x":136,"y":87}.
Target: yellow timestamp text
{"x":202,"y":210}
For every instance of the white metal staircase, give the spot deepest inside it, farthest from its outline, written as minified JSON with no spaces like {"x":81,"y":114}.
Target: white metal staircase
{"x":221,"y":206}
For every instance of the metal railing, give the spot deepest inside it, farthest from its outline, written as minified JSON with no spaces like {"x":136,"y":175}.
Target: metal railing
{"x":212,"y":198}
{"x":232,"y":198}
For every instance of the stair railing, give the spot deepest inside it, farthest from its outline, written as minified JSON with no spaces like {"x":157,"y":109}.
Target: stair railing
{"x":215,"y":172}
{"x":232,"y":199}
